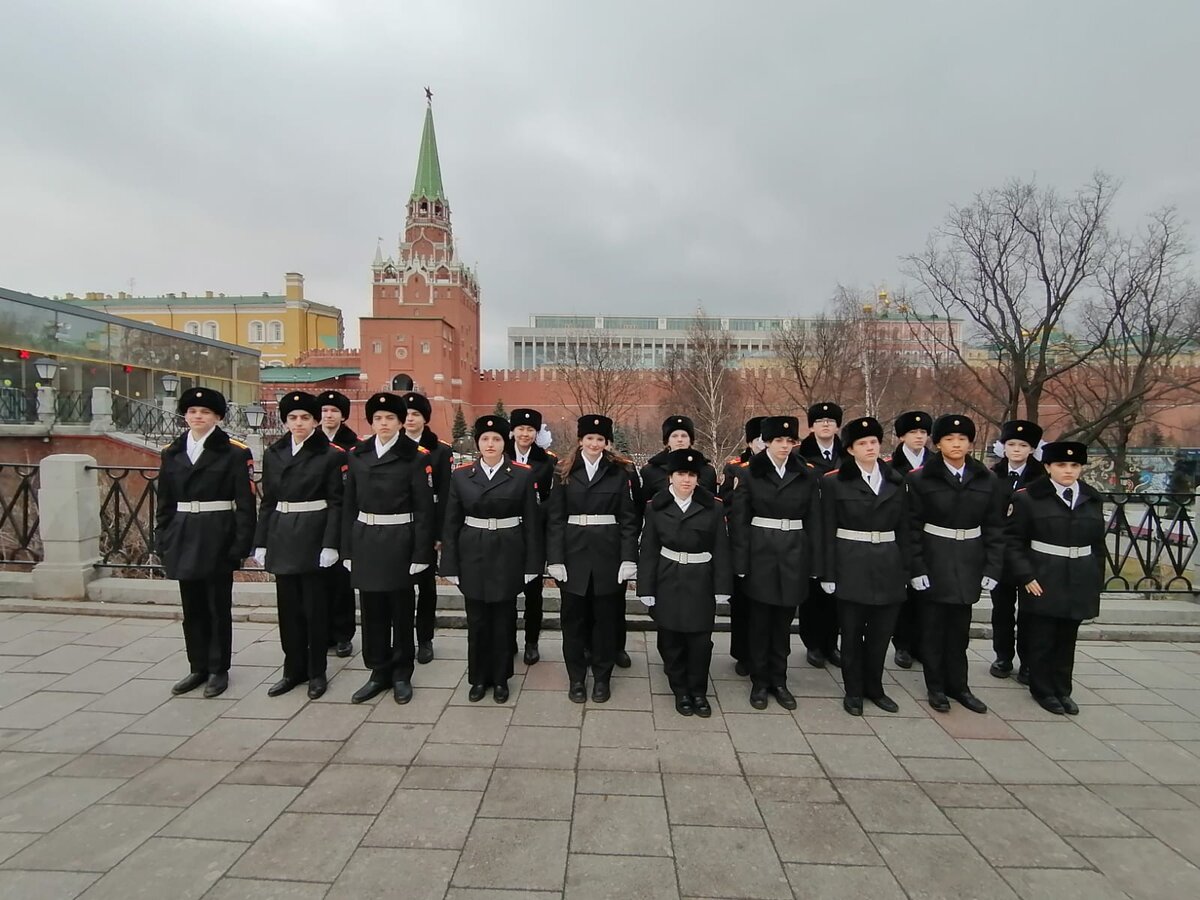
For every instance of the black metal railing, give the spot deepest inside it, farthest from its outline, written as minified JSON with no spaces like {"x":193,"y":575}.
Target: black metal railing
{"x":236,"y":424}
{"x":73,"y":407}
{"x":16,"y":407}
{"x":150,"y":421}
{"x":20,"y":540}
{"x":1152,"y":541}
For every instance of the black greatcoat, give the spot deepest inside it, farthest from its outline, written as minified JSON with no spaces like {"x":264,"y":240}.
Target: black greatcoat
{"x":655,"y":477}
{"x":900,"y":463}
{"x":343,"y":438}
{"x":198,"y":546}
{"x":875,"y":574}
{"x":685,"y":594}
{"x":733,"y":472}
{"x":809,"y":450}
{"x":441,"y":457}
{"x":1070,"y":587}
{"x":956,"y":568}
{"x":1032,"y":472}
{"x":593,"y":552}
{"x":777,"y":564}
{"x":541,"y":465}
{"x":397,"y":482}
{"x":294,"y":540}
{"x":491,"y":565}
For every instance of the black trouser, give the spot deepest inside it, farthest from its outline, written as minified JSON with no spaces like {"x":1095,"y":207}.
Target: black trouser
{"x":1009,"y":640}
{"x":589,"y":622}
{"x":769,"y":637}
{"x":908,"y":625}
{"x":341,"y":603}
{"x":208,"y":622}
{"x":533,"y":610}
{"x":1051,"y":657}
{"x":387,"y":633}
{"x":303,"y":606}
{"x":489,"y":640}
{"x":819,"y":616}
{"x":686,"y":656}
{"x":866,"y":630}
{"x":946,"y":632}
{"x":426,"y":585}
{"x":739,"y":622}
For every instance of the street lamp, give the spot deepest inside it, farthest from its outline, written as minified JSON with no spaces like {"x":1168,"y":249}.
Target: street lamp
{"x":254,"y":416}
{"x":46,"y":367}
{"x":170,"y":382}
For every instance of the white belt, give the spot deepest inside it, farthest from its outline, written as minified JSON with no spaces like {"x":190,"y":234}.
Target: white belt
{"x":385,"y":519}
{"x":1056,"y":550}
{"x":867,"y":537}
{"x":591,"y":520}
{"x":778,"y":524}
{"x":954,"y":534}
{"x":199,"y":506}
{"x":302,"y":506}
{"x":493,"y":524}
{"x":685,"y":558}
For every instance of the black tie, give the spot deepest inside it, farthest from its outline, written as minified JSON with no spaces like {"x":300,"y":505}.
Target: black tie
{"x":1015,"y":476}
{"x":828,"y":455}
{"x":958,"y":475}
{"x":1068,"y":496}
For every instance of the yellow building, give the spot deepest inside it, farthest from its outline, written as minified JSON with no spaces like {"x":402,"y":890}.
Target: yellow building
{"x":281,"y":327}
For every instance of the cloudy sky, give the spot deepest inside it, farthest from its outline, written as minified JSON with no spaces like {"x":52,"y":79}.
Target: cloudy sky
{"x":613,"y":157}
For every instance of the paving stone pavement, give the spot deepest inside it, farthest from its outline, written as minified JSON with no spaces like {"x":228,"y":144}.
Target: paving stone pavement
{"x":109,"y":787}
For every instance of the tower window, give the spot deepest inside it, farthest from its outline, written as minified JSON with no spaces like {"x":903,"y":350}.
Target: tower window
{"x":376,"y":346}
{"x":425,"y":347}
{"x":275,"y":332}
{"x":257,"y":332}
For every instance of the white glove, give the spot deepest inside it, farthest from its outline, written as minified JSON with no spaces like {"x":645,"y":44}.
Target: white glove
{"x":453,"y":579}
{"x":920,"y":583}
{"x":346,"y":565}
{"x":529,"y":578}
{"x":647,"y":601}
{"x":722,"y":598}
{"x":328,"y":557}
{"x":741,"y":574}
{"x":627,"y":572}
{"x":260,"y":555}
{"x":417,"y":568}
{"x":988,"y":584}
{"x":557,"y":571}
{"x":828,"y":587}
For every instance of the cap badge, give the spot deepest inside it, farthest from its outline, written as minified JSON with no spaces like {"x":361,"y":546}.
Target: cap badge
{"x":956,"y":422}
{"x":865,"y":423}
{"x":296,"y":397}
{"x":199,"y":393}
{"x":1070,"y":453}
{"x":596,"y":422}
{"x":489,"y":421}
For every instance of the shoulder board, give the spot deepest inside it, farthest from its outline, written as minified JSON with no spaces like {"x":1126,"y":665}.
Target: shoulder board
{"x":445,"y":443}
{"x":831,"y":472}
{"x":421,"y":449}
{"x":520,"y":465}
{"x":887,"y":459}
{"x":918,"y":469}
{"x":552,"y":453}
{"x":167,"y":446}
{"x":810,"y":465}
{"x":734,"y":461}
{"x":463,"y":466}
{"x":337,"y":446}
{"x":718,"y":499}
{"x":744,"y":465}
{"x":238,"y":443}
{"x":1019,"y":491}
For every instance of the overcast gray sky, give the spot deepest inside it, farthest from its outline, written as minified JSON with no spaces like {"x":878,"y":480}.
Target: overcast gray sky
{"x":617,"y":157}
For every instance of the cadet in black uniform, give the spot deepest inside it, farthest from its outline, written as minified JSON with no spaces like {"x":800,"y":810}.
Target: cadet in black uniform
{"x":526,"y":423}
{"x":679,"y":433}
{"x":204,"y":529}
{"x":866,"y":546}
{"x":773,"y":525}
{"x":957,"y":510}
{"x":818,"y":625}
{"x":731,"y":475}
{"x":335,"y":409}
{"x":416,"y":428}
{"x":591,"y":548}
{"x":1056,"y":553}
{"x":683,"y":570}
{"x":491,"y":548}
{"x":912,"y":428}
{"x":387,"y":538}
{"x":1017,"y":469}
{"x":298,"y":534}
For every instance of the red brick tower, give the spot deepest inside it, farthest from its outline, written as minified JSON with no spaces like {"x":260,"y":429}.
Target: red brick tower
{"x":424,"y":322}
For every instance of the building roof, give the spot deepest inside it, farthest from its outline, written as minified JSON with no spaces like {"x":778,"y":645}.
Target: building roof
{"x":428,"y":183}
{"x":303,"y":374}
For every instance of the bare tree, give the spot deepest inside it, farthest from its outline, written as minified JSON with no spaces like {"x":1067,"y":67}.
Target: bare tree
{"x":701,"y":380}
{"x":1147,"y":315}
{"x":1011,"y":263}
{"x":597,"y":376}
{"x":815,"y":363}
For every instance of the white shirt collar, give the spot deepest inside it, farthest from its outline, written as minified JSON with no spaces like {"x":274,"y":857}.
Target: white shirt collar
{"x":382,"y":448}
{"x":781,"y":468}
{"x":1020,"y":470}
{"x":874,"y":479}
{"x":1073,"y":488}
{"x":592,"y":467}
{"x":519,"y":457}
{"x":489,"y":471}
{"x":958,"y":471}
{"x":916,"y":460}
{"x":329,"y":434}
{"x":825,"y":448}
{"x":195,"y":447}
{"x":682,"y":504}
{"x":296,"y":447}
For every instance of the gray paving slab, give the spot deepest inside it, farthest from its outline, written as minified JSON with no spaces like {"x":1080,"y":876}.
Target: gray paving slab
{"x":179,"y":868}
{"x":728,"y":862}
{"x":303,"y":847}
{"x":818,"y":833}
{"x":591,"y":877}
{"x":514,"y":854}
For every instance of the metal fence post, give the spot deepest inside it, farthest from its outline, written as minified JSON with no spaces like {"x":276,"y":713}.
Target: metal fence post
{"x":69,"y":521}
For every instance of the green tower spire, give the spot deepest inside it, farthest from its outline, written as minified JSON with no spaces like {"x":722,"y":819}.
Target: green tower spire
{"x":429,"y":170}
